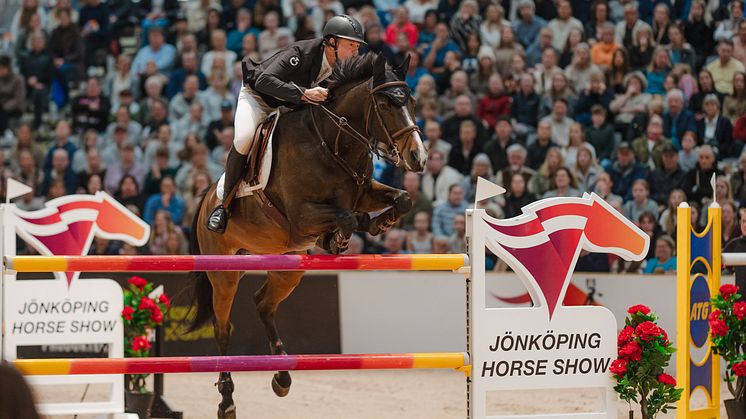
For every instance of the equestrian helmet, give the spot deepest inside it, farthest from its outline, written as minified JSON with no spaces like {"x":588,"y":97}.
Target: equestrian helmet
{"x":345,"y":27}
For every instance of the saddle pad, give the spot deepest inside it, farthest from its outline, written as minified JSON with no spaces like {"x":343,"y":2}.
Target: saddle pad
{"x":244,"y":188}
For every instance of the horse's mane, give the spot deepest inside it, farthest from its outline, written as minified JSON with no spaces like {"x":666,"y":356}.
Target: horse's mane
{"x":351,"y":70}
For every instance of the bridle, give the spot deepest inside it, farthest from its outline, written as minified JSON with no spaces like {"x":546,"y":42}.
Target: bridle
{"x":385,"y":149}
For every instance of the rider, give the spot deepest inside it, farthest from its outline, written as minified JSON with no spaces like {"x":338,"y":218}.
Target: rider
{"x":287,"y":78}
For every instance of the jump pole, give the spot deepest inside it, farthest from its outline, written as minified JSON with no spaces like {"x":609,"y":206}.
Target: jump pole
{"x":187,"y":263}
{"x":76,"y":366}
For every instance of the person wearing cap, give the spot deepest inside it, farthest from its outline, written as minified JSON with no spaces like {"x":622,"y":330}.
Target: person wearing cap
{"x":666,"y":177}
{"x":291,"y":76}
{"x":214,"y":128}
{"x":625,"y":171}
{"x":716,"y":130}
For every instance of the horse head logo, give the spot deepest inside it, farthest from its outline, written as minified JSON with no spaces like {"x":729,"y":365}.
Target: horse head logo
{"x":67,"y":226}
{"x":543,"y":244}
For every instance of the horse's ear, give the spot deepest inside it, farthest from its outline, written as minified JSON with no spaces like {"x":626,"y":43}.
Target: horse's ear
{"x":379,"y":70}
{"x":402,"y":69}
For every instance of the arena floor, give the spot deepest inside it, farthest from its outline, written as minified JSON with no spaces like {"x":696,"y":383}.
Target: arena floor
{"x":421,"y":394}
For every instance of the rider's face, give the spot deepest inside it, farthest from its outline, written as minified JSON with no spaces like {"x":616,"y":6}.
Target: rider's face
{"x":346,"y":48}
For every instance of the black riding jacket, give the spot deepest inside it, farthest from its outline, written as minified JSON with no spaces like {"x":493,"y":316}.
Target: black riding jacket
{"x":298,"y":63}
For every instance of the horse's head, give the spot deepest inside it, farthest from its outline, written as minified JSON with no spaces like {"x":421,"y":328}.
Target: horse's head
{"x":609,"y":232}
{"x":115,"y":222}
{"x":390,"y":116}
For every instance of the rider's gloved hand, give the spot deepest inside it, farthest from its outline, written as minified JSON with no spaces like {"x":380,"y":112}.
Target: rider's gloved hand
{"x":315,"y":94}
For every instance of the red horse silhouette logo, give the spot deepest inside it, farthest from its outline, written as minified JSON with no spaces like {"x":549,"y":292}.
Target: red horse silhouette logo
{"x":67,"y":226}
{"x":543,"y":244}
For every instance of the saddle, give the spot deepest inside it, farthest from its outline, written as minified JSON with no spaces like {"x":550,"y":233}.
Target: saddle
{"x":258,"y":165}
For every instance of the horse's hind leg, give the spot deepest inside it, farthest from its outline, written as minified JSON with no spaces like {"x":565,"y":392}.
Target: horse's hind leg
{"x":224,"y":286}
{"x":275,"y":290}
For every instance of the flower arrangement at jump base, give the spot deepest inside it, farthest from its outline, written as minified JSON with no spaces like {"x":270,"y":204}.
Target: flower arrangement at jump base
{"x":728,"y":335}
{"x":141,"y":314}
{"x":644,"y":351}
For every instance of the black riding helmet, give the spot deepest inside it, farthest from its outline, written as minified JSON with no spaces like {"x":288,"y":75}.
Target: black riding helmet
{"x":345,"y":27}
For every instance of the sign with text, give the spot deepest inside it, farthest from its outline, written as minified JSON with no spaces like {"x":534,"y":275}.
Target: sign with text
{"x":548,"y":345}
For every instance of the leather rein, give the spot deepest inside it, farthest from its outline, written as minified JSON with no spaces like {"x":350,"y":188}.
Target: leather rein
{"x":388,"y":152}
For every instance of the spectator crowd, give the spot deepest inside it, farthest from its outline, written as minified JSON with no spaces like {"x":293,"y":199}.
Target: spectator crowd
{"x":640,"y":102}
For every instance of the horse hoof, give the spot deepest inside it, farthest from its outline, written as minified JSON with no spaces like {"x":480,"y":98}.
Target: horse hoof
{"x":281,"y":384}
{"x":228,"y":413}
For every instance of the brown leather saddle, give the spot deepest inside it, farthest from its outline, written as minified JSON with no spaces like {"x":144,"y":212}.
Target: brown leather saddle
{"x":253,"y":170}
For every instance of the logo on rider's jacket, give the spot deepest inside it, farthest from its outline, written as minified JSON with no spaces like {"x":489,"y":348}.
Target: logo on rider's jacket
{"x":294,"y":60}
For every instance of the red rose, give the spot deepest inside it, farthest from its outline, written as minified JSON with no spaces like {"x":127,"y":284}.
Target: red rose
{"x":714,"y":315}
{"x":727,"y":290}
{"x":739,"y":309}
{"x":618,"y":367}
{"x":146,"y":304}
{"x":140,"y":343}
{"x":718,"y":327}
{"x":625,"y":335}
{"x":137,"y":281}
{"x":648,"y":330}
{"x":163,"y":299}
{"x":740,"y":369}
{"x":156,"y":315}
{"x":667,"y":380}
{"x":665,"y":338}
{"x":631,"y":351}
{"x":642,"y":309}
{"x":127,"y":312}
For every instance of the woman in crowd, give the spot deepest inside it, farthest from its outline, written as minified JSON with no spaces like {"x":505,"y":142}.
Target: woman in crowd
{"x":574,"y":38}
{"x":730,"y":226}
{"x":641,"y":54}
{"x":657,"y":71}
{"x":640,"y":201}
{"x":541,"y":182}
{"x":494,"y":22}
{"x":505,"y":51}
{"x":580,"y":70}
{"x":160,"y":231}
{"x":518,"y":197}
{"x":698,"y":32}
{"x":128,"y":192}
{"x":664,"y":260}
{"x":706,"y":87}
{"x":668,"y":217}
{"x":560,"y":90}
{"x":617,"y":73}
{"x":599,"y":16}
{"x":563,"y":185}
{"x":420,"y":240}
{"x":661,"y":23}
{"x":586,"y":170}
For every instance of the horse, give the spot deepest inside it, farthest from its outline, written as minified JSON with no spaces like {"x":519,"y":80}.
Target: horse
{"x":322,"y":188}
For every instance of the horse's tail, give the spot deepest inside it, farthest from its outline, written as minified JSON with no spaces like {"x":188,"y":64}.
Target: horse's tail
{"x":201,"y":286}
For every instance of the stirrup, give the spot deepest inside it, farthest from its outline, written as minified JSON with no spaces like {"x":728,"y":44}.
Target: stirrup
{"x":218,"y":219}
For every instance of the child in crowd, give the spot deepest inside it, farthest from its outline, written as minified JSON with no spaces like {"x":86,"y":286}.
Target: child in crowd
{"x":688,"y":155}
{"x":640,"y":202}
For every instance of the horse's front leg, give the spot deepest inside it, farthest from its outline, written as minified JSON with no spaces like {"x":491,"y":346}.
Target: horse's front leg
{"x":395,"y":202}
{"x":332,"y":225}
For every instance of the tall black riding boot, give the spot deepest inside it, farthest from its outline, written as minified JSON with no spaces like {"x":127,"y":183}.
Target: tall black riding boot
{"x":234,"y":168}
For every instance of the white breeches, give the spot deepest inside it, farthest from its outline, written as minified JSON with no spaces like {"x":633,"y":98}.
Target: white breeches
{"x":251,"y":110}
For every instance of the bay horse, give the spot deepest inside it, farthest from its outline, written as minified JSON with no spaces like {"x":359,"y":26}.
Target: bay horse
{"x":321,"y":183}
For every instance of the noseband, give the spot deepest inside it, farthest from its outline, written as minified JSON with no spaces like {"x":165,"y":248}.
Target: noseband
{"x":385,"y":149}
